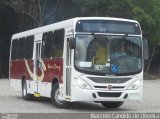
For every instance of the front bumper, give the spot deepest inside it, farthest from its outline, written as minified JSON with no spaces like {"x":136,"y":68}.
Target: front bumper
{"x":79,"y":94}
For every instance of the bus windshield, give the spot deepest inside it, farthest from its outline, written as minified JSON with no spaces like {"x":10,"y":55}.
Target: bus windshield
{"x":102,"y":54}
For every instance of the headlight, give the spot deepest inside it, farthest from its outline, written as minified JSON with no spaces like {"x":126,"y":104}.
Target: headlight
{"x":81,"y":83}
{"x":136,"y":84}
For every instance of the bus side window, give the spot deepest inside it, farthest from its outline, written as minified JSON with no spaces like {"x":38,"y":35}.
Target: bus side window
{"x":58,"y":42}
{"x":21,"y":48}
{"x":47,"y":44}
{"x":14,"y":49}
{"x":29,"y":47}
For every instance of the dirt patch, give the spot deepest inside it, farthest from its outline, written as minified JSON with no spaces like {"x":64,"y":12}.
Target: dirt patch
{"x":151,"y":76}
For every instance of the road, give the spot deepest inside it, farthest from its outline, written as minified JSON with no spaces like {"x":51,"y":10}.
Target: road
{"x":12,"y":102}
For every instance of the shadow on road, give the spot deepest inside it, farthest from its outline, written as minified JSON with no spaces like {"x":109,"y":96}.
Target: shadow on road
{"x":79,"y":106}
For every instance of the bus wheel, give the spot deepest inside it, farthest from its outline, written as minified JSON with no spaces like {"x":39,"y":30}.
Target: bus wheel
{"x":25,"y":95}
{"x":111,"y":104}
{"x":55,"y":97}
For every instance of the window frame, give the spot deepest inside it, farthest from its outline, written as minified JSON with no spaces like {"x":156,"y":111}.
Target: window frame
{"x":43,"y":49}
{"x":30,"y":48}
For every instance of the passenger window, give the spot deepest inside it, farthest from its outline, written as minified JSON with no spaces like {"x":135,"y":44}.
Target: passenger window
{"x":29,"y":47}
{"x":58,"y":42}
{"x":14,"y":49}
{"x":47,"y":45}
{"x":21,"y":48}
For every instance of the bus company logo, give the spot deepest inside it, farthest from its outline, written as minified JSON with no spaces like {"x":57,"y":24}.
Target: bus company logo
{"x":55,"y":66}
{"x":109,"y":87}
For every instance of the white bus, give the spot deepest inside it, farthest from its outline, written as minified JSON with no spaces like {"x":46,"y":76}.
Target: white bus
{"x":97,"y":59}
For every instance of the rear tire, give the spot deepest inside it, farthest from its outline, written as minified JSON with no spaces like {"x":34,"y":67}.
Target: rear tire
{"x":25,"y":94}
{"x":55,"y":94}
{"x":111,"y":104}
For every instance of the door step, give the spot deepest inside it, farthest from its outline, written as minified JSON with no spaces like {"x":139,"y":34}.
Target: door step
{"x":37,"y":95}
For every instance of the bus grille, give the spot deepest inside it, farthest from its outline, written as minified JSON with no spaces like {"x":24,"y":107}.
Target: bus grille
{"x":108,"y":80}
{"x":104,"y":94}
{"x":113,"y":87}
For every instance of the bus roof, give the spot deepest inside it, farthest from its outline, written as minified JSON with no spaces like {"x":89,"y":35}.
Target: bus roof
{"x":64,"y":24}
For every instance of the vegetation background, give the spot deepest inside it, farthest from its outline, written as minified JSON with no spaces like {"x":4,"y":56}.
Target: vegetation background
{"x":21,"y":15}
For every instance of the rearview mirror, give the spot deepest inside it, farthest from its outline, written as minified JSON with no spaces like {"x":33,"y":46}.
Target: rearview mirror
{"x":71,"y":42}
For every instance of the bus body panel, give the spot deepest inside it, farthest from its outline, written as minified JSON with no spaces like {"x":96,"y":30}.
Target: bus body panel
{"x":20,"y":69}
{"x":56,"y":68}
{"x":118,"y":90}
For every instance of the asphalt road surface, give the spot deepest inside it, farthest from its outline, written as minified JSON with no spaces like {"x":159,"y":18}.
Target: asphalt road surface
{"x":12,"y":102}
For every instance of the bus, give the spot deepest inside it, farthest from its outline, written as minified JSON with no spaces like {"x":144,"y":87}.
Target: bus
{"x":92,"y":59}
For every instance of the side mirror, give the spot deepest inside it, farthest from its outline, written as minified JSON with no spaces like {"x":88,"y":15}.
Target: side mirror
{"x":145,"y":49}
{"x":71,"y":42}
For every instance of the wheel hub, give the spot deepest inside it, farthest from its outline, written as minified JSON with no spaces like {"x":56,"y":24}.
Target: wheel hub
{"x":57,"y":97}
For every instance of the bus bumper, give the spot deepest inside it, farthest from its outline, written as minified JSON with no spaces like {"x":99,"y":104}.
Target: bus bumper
{"x":79,"y":94}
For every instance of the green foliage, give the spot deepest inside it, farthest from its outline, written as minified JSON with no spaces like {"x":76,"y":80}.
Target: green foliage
{"x":146,"y":12}
{"x":6,"y":31}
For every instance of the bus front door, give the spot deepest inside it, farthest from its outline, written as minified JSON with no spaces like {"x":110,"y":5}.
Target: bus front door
{"x":37,"y":69}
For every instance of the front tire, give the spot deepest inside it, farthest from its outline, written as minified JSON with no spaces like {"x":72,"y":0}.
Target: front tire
{"x":55,"y":97}
{"x":25,"y":94}
{"x":112,"y":104}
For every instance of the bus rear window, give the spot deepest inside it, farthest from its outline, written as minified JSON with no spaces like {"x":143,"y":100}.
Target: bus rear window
{"x":107,"y":26}
{"x":14,"y":49}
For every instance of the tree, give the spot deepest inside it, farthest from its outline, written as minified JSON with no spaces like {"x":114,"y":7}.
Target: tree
{"x":147,"y":13}
{"x":6,"y":30}
{"x":35,"y":13}
{"x":37,"y":10}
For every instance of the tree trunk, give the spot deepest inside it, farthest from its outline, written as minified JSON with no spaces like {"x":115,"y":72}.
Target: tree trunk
{"x":150,"y":61}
